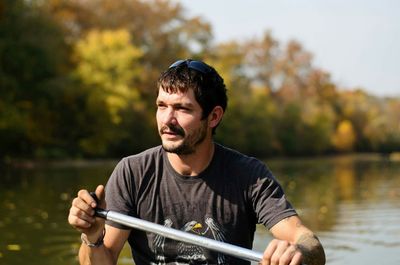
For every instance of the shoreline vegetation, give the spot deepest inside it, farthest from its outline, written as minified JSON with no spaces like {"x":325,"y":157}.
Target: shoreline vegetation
{"x":84,"y":163}
{"x":78,"y":78}
{"x":60,"y":163}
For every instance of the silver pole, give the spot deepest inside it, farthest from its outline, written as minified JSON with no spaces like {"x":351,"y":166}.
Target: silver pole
{"x":178,"y":235}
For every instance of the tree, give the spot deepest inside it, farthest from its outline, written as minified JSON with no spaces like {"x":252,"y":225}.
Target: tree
{"x":344,"y":138}
{"x":160,"y":28}
{"x":32,"y":57}
{"x":261,"y":62}
{"x":108,"y":66}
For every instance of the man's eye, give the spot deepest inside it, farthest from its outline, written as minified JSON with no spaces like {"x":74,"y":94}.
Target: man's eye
{"x":160,"y":106}
{"x":183,"y":108}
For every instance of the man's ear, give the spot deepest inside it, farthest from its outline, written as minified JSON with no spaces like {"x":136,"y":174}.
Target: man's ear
{"x":215,"y":116}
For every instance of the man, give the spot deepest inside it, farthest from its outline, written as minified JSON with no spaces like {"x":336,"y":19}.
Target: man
{"x":192,"y":184}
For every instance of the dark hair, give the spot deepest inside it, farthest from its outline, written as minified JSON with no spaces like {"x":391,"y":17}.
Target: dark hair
{"x":208,"y":86}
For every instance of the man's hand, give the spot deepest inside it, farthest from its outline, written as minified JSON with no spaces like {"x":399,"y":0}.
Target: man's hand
{"x":280,"y":252}
{"x":298,"y":245}
{"x":81,"y":214}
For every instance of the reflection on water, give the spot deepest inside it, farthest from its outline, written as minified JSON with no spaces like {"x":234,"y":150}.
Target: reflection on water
{"x":351,"y":202}
{"x":34,"y":205}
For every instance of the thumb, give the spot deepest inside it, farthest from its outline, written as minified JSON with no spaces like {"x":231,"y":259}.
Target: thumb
{"x":100,"y":193}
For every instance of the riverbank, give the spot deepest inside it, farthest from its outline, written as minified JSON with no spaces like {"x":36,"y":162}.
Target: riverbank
{"x":74,"y":163}
{"x":81,"y":163}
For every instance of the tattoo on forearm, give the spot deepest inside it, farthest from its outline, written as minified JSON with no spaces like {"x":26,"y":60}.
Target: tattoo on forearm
{"x":311,"y":249}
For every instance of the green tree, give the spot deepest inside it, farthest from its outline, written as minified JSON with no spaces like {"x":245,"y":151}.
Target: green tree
{"x":160,"y":28}
{"x":108,"y":66}
{"x":383,"y":126}
{"x":33,"y":56}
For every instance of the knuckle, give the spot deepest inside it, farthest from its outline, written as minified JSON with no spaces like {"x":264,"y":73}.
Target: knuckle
{"x":274,"y":259}
{"x":284,"y":259}
{"x":72,"y":220}
{"x":80,"y":214}
{"x":81,"y":192}
{"x":299,"y":255}
{"x":284,"y":243}
{"x":71,"y":212}
{"x":75,"y":201}
{"x":74,"y":211}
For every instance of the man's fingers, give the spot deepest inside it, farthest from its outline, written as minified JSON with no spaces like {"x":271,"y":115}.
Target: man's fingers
{"x":82,"y":215}
{"x":79,"y":219}
{"x":78,"y":223}
{"x":281,"y":252}
{"x":85,"y":196}
{"x":82,"y":212}
{"x":290,"y":256}
{"x":100,"y":193}
{"x":83,"y":206}
{"x":269,"y":252}
{"x":278,"y":253}
{"x":297,"y":258}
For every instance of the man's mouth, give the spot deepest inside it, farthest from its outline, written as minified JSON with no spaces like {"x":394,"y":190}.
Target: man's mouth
{"x":172,"y":130}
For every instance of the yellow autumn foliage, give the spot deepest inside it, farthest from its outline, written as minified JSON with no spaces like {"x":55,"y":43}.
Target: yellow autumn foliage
{"x":344,"y":137}
{"x":107,"y":61}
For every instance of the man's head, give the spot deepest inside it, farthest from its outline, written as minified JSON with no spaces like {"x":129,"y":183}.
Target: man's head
{"x":201,"y":88}
{"x":207,"y":85}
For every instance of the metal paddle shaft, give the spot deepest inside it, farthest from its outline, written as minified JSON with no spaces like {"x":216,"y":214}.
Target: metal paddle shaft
{"x":178,"y":235}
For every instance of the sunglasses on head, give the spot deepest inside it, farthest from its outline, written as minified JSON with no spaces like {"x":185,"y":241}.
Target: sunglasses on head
{"x":195,"y":65}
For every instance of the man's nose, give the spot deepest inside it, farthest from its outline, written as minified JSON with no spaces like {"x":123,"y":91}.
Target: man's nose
{"x":169,"y":116}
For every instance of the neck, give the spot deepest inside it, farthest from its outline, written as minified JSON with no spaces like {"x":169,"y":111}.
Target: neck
{"x":195,"y":163}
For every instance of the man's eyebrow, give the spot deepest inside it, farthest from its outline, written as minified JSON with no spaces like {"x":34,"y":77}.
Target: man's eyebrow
{"x":186,"y":105}
{"x":175,"y":105}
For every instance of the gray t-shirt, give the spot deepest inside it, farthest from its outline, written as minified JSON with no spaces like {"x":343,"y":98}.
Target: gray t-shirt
{"x":224,"y":202}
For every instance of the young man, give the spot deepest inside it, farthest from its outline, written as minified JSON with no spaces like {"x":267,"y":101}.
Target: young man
{"x":193,"y":184}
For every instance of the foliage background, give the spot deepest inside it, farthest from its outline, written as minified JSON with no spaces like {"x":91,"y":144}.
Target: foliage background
{"x":77,"y":80}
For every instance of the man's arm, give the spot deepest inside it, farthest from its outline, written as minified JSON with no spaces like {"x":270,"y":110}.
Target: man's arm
{"x":108,"y":252}
{"x":82,"y":218}
{"x":294,"y":244}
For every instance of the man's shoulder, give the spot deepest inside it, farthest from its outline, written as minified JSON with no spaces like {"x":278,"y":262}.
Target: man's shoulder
{"x":153,"y":152}
{"x":144,"y":159}
{"x":237,"y":157}
{"x":238,"y":164}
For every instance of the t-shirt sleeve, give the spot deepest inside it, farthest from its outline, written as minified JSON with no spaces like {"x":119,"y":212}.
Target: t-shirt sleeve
{"x":269,"y":200}
{"x":120,"y":192}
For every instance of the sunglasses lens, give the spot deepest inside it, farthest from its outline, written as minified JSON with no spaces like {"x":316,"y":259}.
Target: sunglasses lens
{"x":177,"y":63}
{"x":195,"y":65}
{"x":199,"y":66}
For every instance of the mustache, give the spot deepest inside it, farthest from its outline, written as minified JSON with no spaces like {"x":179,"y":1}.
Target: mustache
{"x":173,"y":128}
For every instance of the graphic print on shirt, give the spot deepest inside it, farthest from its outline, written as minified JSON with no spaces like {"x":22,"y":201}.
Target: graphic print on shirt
{"x":188,"y":253}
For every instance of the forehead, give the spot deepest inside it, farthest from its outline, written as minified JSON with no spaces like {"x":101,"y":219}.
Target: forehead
{"x":178,"y":97}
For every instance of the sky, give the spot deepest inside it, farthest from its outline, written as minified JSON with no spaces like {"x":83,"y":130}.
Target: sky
{"x":356,"y":41}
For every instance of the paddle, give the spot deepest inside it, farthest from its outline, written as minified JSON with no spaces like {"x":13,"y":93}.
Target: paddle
{"x":178,"y":235}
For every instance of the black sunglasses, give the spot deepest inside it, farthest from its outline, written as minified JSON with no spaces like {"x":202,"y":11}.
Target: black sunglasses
{"x":196,"y":65}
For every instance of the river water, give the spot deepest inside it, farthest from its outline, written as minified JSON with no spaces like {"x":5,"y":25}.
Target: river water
{"x":351,"y":202}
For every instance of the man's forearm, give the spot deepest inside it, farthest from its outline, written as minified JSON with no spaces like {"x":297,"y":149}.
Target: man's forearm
{"x":311,"y":249}
{"x":95,"y":255}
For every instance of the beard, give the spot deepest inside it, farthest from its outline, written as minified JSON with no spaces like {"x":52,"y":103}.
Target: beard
{"x":190,"y":141}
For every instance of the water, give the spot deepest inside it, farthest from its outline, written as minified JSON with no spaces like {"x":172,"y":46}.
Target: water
{"x":352,"y":203}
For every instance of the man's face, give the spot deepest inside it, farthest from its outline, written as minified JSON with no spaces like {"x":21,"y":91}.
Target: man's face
{"x":179,"y":122}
